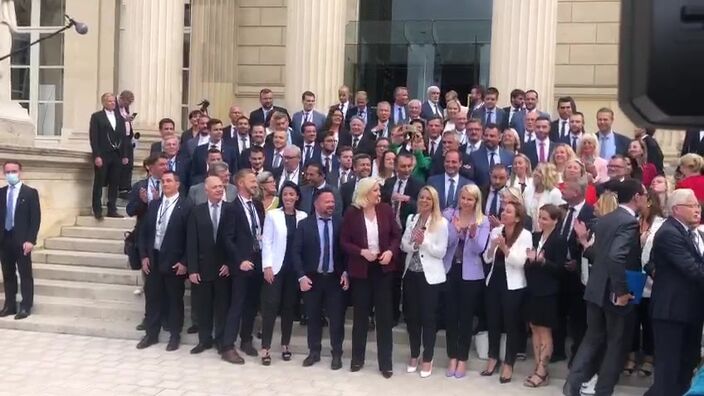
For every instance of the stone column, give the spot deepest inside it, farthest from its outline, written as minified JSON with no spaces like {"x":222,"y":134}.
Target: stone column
{"x":151,"y":57}
{"x":315,"y":50}
{"x":523,"y":35}
{"x":213,"y":60}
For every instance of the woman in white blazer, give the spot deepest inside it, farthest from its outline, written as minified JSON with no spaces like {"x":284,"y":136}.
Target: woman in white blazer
{"x":425,"y":242}
{"x":521,"y":174}
{"x":542,"y":191}
{"x":280,"y":288}
{"x":506,"y":284}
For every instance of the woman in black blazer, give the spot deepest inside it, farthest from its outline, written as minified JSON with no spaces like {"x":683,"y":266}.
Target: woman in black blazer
{"x":543,"y":266}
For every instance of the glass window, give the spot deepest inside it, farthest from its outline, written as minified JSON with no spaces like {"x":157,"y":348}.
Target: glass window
{"x":23,"y":9}
{"x":50,"y":119}
{"x":20,"y":40}
{"x":20,"y":83}
{"x":51,"y":51}
{"x":186,"y":50}
{"x":51,"y":84}
{"x":52,"y":13}
{"x":186,"y":64}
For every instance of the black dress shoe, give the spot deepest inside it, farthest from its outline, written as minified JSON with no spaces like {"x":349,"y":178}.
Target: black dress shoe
{"x":336,"y":363}
{"x":323,"y":321}
{"x":303,"y":321}
{"x":146,"y":342}
{"x":7,"y":311}
{"x":23,"y":313}
{"x":248,"y":349}
{"x":115,"y":215}
{"x":354,"y":367}
{"x":141,"y":326}
{"x":192,"y":330}
{"x":372,"y":324}
{"x":173,"y":344}
{"x":98,"y":215}
{"x":387,"y":374}
{"x":200,"y":348}
{"x":311,"y":360}
{"x":567,"y":390}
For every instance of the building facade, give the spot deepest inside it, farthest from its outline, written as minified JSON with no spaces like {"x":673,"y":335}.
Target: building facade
{"x":174,"y":53}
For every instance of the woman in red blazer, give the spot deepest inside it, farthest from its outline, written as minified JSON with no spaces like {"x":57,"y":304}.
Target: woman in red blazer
{"x":370,"y":238}
{"x":691,"y":166}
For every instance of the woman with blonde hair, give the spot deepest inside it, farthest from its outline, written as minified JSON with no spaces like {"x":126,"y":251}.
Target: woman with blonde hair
{"x":575,"y":171}
{"x":267,"y":190}
{"x":691,"y":166}
{"x":510,"y":141}
{"x":370,"y":238}
{"x":521,"y":172}
{"x":588,"y":153}
{"x":453,"y":110}
{"x":543,"y":191}
{"x":467,"y":238}
{"x":661,"y":187}
{"x":425,"y":243}
{"x":560,"y":156}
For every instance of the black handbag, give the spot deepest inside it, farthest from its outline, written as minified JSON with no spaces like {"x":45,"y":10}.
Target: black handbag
{"x":131,"y":250}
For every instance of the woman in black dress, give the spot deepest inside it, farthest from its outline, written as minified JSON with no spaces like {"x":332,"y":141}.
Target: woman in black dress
{"x":543,"y":266}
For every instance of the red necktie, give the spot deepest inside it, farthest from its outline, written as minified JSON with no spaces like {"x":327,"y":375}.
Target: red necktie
{"x":542,"y":152}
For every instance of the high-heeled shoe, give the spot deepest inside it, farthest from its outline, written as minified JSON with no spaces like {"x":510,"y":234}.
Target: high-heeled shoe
{"x":266,"y":359}
{"x":506,"y":380}
{"x":286,"y":355}
{"x":426,"y":374}
{"x":461,"y":373}
{"x":489,"y":373}
{"x":411,"y":367}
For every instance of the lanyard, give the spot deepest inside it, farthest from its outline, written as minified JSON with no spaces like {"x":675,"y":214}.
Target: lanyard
{"x":163,"y":210}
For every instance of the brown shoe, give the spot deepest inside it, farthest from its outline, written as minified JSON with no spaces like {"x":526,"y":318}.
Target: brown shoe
{"x":232,"y":356}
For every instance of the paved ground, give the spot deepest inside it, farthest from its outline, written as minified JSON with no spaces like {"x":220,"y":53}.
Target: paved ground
{"x":54,"y":364}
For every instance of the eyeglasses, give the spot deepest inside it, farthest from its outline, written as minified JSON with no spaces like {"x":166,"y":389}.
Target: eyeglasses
{"x":290,"y":157}
{"x":691,"y":206}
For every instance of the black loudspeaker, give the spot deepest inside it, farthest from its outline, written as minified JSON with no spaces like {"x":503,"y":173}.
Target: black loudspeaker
{"x":661,"y":63}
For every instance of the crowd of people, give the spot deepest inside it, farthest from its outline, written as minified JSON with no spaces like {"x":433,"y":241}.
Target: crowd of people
{"x":474,"y":219}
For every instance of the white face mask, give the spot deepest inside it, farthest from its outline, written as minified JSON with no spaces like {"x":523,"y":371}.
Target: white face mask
{"x":12,"y":178}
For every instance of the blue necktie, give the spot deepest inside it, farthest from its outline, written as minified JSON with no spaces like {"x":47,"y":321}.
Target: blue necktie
{"x":326,"y":246}
{"x":10,"y":212}
{"x":450,"y":201}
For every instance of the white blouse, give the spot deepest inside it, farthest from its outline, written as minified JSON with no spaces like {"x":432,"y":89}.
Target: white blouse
{"x":372,"y":234}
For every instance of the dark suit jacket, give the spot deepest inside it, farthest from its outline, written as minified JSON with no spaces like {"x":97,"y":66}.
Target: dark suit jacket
{"x":104,"y":139}
{"x":692,"y":143}
{"x":257,"y":116}
{"x":155,"y":148}
{"x":480,"y":163}
{"x":426,"y":112}
{"x":173,"y":245}
{"x":555,"y":127}
{"x":28,"y":215}
{"x":679,"y":270}
{"x":370,"y":112}
{"x":499,"y":114}
{"x":238,"y":239}
{"x":616,"y":249}
{"x":354,"y":238}
{"x":412,"y":189}
{"x":365,"y":145}
{"x":575,"y":249}
{"x":655,"y":155}
{"x":269,"y":159}
{"x":200,"y":159}
{"x":185,"y":137}
{"x":183,"y":170}
{"x":544,"y":278}
{"x":307,"y":251}
{"x":530,"y":149}
{"x":306,"y":203}
{"x":205,"y":254}
{"x":135,"y":206}
{"x":347,"y":192}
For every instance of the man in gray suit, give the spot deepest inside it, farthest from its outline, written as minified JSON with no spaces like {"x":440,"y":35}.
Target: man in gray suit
{"x":609,"y":313}
{"x":531,"y":103}
{"x":316,"y":181}
{"x":308,"y":114}
{"x":220,"y":169}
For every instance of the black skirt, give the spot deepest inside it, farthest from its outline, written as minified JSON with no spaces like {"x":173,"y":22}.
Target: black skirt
{"x":542,"y":311}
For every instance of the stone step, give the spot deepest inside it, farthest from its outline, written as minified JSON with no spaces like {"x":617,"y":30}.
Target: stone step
{"x":81,"y":273}
{"x":88,"y":259}
{"x":126,"y":223}
{"x":116,"y":234}
{"x":122,"y":330}
{"x":84,"y":290}
{"x":84,"y":245}
{"x":84,"y":309}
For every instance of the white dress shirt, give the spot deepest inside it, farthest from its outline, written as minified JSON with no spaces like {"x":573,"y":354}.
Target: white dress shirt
{"x":292,"y":176}
{"x":203,"y":139}
{"x":153,"y":185}
{"x":240,"y":144}
{"x":111,"y":118}
{"x":372,"y":234}
{"x":245,"y":205}
{"x":162,"y":219}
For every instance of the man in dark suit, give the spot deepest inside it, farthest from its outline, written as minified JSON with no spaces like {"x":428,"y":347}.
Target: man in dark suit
{"x":401,"y":191}
{"x":162,"y":247}
{"x":357,"y":138}
{"x":399,"y":110}
{"x":517,"y":99}
{"x":230,"y":133}
{"x":243,"y":229}
{"x":326,"y":156}
{"x":384,"y":121}
{"x":263,"y":114}
{"x":199,"y":164}
{"x":490,"y":113}
{"x":693,"y":142}
{"x":178,"y":162}
{"x":431,"y":107}
{"x":609,"y":314}
{"x":488,"y":155}
{"x":572,"y":311}
{"x":257,"y":140}
{"x":310,"y":148}
{"x":255,"y":160}
{"x":321,"y":275}
{"x":433,"y":141}
{"x":576,"y":131}
{"x":560,"y":128}
{"x":192,"y":131}
{"x":21,"y":215}
{"x":675,"y":310}
{"x":201,"y":138}
{"x":241,"y":139}
{"x":541,"y":148}
{"x":491,"y":192}
{"x":166,"y":128}
{"x":610,"y":142}
{"x":344,"y":104}
{"x":274,"y":155}
{"x":531,"y":107}
{"x":108,"y":143}
{"x":315,"y":181}
{"x":344,"y":172}
{"x":362,"y":167}
{"x":291,"y":170}
{"x":362,"y":110}
{"x":124,"y":101}
{"x":450,"y":142}
{"x":207,"y":265}
{"x":449,"y":183}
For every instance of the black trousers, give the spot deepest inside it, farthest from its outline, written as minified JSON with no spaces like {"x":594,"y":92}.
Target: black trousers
{"x":572,"y":318}
{"x":462,"y":300}
{"x":328,"y":294}
{"x":13,"y":259}
{"x":603,"y":349}
{"x":677,"y":347}
{"x":126,"y":171}
{"x":374,"y":291}
{"x":195,"y":316}
{"x":162,"y":286}
{"x":504,"y":312}
{"x":420,"y":305}
{"x":211,"y":300}
{"x":108,"y":174}
{"x":279,"y":296}
{"x":643,"y":329}
{"x":246,"y":289}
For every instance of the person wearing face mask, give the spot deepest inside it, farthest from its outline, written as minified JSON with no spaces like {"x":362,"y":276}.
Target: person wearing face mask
{"x":21,"y":216}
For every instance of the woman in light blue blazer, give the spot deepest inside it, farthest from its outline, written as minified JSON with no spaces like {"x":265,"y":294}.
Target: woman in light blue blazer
{"x":280,"y":289}
{"x":425,"y":243}
{"x":467,"y":237}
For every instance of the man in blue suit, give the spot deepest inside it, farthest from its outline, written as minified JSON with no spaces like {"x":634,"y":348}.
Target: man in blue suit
{"x":308,"y":114}
{"x":449,"y":184}
{"x":431,"y":107}
{"x":531,"y":103}
{"x":489,"y":154}
{"x":310,"y":150}
{"x":490,"y":113}
{"x":610,"y":142}
{"x":199,"y":167}
{"x":178,"y":162}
